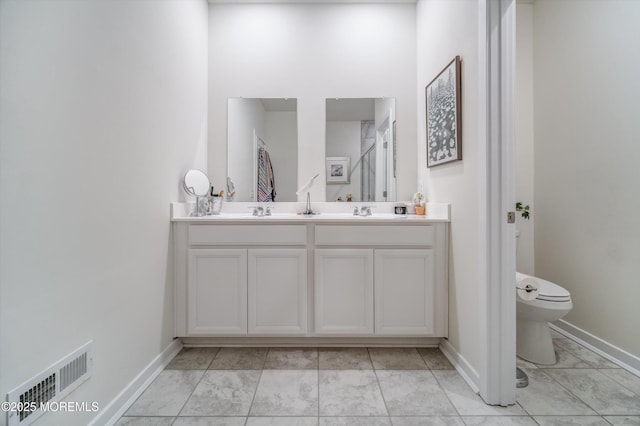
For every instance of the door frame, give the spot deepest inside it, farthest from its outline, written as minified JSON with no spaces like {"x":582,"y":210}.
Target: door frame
{"x":496,"y":60}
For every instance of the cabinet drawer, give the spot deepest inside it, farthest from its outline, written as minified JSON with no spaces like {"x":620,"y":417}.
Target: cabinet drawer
{"x":272,"y":235}
{"x":385,"y":235}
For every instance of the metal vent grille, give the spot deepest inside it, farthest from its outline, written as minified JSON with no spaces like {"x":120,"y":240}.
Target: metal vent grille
{"x":41,"y":393}
{"x":73,"y":371}
{"x":51,"y":385}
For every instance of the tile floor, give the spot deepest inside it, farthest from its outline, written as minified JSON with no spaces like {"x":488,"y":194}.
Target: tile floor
{"x":376,"y":386}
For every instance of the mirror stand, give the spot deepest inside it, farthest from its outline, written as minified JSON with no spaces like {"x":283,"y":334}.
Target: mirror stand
{"x":196,"y":183}
{"x":200,"y":208}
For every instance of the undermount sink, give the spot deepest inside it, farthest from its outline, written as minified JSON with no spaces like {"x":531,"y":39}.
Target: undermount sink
{"x":251,"y":216}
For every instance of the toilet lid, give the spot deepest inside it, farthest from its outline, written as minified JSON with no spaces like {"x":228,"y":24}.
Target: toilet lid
{"x":552,"y":292}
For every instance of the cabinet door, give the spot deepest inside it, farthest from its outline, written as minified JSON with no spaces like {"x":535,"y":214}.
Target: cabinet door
{"x":344,"y":291}
{"x":405,"y":292}
{"x":217,"y":291}
{"x":278,"y":291}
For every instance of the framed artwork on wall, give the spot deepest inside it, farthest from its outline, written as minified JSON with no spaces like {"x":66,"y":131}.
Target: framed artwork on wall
{"x":444,"y":116}
{"x":338,"y":170}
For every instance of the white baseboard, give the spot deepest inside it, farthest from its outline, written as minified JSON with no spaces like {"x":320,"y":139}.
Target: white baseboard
{"x":461,"y":365}
{"x":314,"y":342}
{"x":116,"y":408}
{"x":605,"y":349}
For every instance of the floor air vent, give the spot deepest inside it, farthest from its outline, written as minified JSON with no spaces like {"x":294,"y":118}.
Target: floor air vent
{"x":30,"y":400}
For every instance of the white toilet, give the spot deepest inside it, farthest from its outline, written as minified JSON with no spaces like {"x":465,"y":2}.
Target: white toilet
{"x":533,"y":336}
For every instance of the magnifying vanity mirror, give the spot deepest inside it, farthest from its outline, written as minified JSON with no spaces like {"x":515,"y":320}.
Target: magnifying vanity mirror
{"x":197,"y":184}
{"x":262,"y":149}
{"x":361,"y":149}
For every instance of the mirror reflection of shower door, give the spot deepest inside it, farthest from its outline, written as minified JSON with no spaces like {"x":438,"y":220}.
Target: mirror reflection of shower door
{"x":368,"y":175}
{"x":382,"y":161}
{"x":385,"y":160}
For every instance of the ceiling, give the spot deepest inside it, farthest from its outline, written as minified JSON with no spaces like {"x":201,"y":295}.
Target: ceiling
{"x":309,"y":1}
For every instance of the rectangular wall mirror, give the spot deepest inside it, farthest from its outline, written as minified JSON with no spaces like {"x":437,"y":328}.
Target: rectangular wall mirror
{"x":262,"y":149}
{"x":360,"y":150}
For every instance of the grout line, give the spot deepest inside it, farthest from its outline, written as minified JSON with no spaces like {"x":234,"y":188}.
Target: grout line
{"x":254,"y":395}
{"x":424,"y":361}
{"x":447,"y":395}
{"x":212,"y":359}
{"x":204,"y":372}
{"x":318,"y":382}
{"x":375,"y":374}
{"x":545,"y":370}
{"x":616,"y":380}
{"x":318,"y":379}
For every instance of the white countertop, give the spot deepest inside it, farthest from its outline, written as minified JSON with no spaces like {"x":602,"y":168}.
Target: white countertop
{"x":333,"y":212}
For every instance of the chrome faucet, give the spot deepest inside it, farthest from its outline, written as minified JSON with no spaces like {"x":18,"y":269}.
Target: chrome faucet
{"x":268,"y":210}
{"x":365,"y":211}
{"x":257,"y":211}
{"x":362,"y":211}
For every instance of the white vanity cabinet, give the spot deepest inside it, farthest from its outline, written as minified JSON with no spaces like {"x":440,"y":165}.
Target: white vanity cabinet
{"x":310,"y":279}
{"x":217,"y":291}
{"x":388,"y":280}
{"x":405,"y":292}
{"x":277,"y":296}
{"x":343,"y":291}
{"x":240,"y":280}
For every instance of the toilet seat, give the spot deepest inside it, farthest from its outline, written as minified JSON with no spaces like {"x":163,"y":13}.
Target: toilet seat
{"x":551,"y":292}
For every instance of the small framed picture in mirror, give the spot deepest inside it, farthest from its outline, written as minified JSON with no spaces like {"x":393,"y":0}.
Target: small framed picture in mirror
{"x":338,"y":170}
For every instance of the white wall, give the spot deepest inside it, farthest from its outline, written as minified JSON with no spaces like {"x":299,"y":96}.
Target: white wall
{"x":344,"y":140}
{"x":524,"y":135}
{"x":446,"y":29}
{"x":245,"y":115}
{"x":312,"y":52}
{"x":282,"y":136}
{"x":587,"y":159}
{"x":103,"y":107}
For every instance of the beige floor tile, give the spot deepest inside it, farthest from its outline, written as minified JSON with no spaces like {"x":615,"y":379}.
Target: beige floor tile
{"x":282,"y":421}
{"x":397,"y":359}
{"x":602,"y":393}
{"x":413,"y":393}
{"x":193,"y":359}
{"x":344,"y":359}
{"x":570,"y":421}
{"x":355,"y":421}
{"x":623,"y":420}
{"x":239,"y":359}
{"x":593,"y":359}
{"x":223,"y":393}
{"x":167,"y":394}
{"x":427,"y":421}
{"x":467,"y":402}
{"x":435,"y":359}
{"x":286,"y":393}
{"x":545,"y":396}
{"x":498,"y":421}
{"x":625,"y":378}
{"x":350,"y":393}
{"x":210,"y":421}
{"x":145,"y":421}
{"x":291,"y":359}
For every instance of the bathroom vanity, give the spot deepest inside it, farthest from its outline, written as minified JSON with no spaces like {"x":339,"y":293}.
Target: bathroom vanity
{"x":297,"y":279}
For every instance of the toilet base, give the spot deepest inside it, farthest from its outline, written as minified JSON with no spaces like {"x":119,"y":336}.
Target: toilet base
{"x":534,"y":343}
